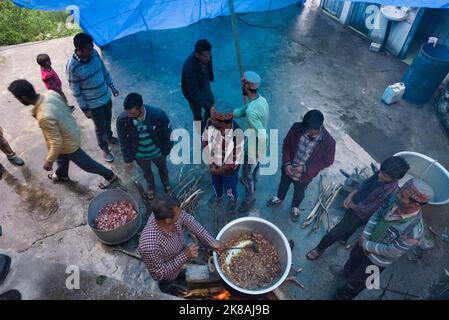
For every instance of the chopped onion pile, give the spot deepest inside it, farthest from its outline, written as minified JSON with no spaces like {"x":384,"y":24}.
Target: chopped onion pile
{"x":115,"y":215}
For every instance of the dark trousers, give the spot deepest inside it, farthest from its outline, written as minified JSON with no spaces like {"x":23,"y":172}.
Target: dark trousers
{"x":196,"y":112}
{"x":101,"y":117}
{"x":299,"y":189}
{"x":169,"y":286}
{"x":249,"y":179}
{"x":229,"y":183}
{"x":343,"y":230}
{"x":84,"y":161}
{"x":355,"y":270}
{"x":161,"y":165}
{"x":5,"y":147}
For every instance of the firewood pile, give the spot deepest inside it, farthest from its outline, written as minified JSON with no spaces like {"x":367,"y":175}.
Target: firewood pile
{"x":325,"y":199}
{"x":186,"y":188}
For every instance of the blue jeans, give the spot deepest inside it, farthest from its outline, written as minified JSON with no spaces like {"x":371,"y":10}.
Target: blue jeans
{"x":101,"y":117}
{"x":249,"y":180}
{"x":84,"y":161}
{"x":229,"y":183}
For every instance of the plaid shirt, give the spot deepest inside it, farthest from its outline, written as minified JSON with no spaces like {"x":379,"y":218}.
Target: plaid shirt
{"x":163,"y":252}
{"x":305,"y":150}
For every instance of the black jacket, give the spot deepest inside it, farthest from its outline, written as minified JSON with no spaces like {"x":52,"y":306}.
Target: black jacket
{"x":158,"y":126}
{"x":195,"y":82}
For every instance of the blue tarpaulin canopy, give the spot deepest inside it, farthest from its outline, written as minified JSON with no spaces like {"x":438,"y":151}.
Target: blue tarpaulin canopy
{"x":108,"y":20}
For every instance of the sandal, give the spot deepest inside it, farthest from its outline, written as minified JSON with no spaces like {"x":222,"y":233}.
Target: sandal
{"x":108,"y":183}
{"x":313,"y":254}
{"x":54,"y":177}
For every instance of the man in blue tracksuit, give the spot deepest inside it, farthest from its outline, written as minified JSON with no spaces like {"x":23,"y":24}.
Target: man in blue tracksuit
{"x":144,"y":136}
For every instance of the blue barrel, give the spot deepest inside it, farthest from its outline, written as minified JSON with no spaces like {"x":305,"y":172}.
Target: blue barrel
{"x":428,"y":70}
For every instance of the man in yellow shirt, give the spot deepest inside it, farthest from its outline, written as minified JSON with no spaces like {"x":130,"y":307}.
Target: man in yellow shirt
{"x":61,"y":133}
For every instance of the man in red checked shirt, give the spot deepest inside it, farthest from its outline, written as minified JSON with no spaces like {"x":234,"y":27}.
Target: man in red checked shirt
{"x":162,"y":246}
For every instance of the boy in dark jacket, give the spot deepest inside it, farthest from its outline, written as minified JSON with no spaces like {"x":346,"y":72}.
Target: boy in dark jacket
{"x":307,"y":149}
{"x":144,"y":135}
{"x":363,"y":202}
{"x":197,"y":74}
{"x":224,"y":148}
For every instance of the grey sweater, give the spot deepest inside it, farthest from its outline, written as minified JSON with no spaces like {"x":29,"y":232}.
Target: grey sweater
{"x":390,"y":236}
{"x":89,"y":81}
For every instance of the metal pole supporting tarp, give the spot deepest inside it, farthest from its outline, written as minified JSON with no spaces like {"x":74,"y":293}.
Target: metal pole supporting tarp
{"x":236,"y":39}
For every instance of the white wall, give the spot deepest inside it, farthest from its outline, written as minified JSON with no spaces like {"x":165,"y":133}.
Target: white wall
{"x":400,"y":32}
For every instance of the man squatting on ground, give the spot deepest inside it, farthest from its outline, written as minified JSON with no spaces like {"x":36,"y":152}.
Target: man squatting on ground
{"x":361,"y":203}
{"x":61,"y":133}
{"x":144,"y":135}
{"x":90,"y":82}
{"x":256,"y":112}
{"x":162,"y":246}
{"x":308,"y":148}
{"x":392,"y":230}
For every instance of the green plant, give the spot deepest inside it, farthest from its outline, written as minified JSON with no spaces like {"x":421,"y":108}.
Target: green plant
{"x":20,"y":25}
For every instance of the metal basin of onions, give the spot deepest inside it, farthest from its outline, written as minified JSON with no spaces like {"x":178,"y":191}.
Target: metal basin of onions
{"x":122,"y":233}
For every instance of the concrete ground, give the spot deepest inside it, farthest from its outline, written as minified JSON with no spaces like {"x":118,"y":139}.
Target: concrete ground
{"x":306,"y":60}
{"x":37,"y":278}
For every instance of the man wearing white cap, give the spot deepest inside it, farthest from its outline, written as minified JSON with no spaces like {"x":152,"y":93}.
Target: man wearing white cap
{"x":391,"y":231}
{"x":256,"y":112}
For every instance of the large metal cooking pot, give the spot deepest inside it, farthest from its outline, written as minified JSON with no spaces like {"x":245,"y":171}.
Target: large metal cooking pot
{"x":429,"y":170}
{"x":120,"y":234}
{"x":272,"y":233}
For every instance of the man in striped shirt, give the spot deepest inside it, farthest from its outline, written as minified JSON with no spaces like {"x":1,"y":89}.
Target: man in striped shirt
{"x":144,"y":135}
{"x":91,"y":86}
{"x":162,"y":246}
{"x":391,"y":231}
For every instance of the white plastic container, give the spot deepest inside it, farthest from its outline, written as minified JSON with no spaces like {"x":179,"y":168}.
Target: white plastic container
{"x":393,"y":93}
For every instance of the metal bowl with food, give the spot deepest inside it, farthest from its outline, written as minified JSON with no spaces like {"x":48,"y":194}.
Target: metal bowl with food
{"x":271,"y":248}
{"x":129,"y":218}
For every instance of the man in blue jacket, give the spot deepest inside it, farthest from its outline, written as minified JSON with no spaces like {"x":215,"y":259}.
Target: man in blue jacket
{"x":197,"y":74}
{"x":144,"y":136}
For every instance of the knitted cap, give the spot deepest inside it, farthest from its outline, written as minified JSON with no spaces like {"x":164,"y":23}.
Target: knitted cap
{"x":220,"y":115}
{"x":418,"y":190}
{"x":252,"y":78}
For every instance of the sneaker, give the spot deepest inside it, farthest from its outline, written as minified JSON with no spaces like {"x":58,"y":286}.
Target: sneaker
{"x":16,"y":161}
{"x":214,"y":201}
{"x":232,"y":206}
{"x":294,"y":214}
{"x":245,"y":206}
{"x":337,"y":270}
{"x":108,"y":157}
{"x":113,"y":140}
{"x":274,"y":201}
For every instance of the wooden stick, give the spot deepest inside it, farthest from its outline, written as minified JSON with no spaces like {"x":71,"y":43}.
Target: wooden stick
{"x":134,"y":255}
